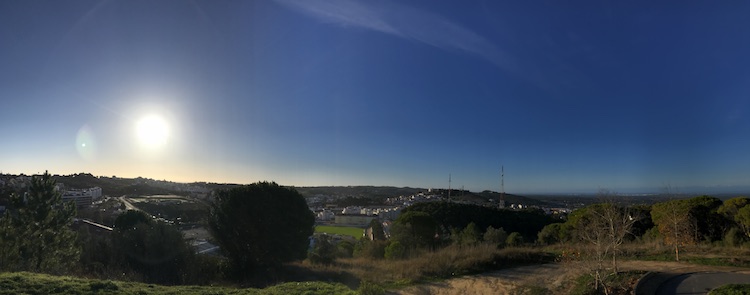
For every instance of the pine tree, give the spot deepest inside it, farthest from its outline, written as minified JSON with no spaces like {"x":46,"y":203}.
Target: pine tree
{"x":36,"y":230}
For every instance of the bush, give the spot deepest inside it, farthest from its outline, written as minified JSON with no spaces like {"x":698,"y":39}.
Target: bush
{"x":324,"y":251}
{"x":514,"y":239}
{"x":367,"y":288}
{"x":495,"y":236}
{"x":345,"y":249}
{"x":395,"y":250}
{"x":370,"y":249}
{"x":733,"y":237}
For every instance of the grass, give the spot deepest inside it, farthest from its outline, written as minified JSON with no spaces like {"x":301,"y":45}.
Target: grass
{"x":435,"y":265}
{"x":621,"y":283}
{"x":531,"y":290}
{"x":732,"y":289}
{"x":695,"y":254}
{"x":340,"y":230}
{"x":33,"y":284}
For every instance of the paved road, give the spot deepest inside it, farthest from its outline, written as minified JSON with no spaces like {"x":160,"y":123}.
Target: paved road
{"x":128,"y":205}
{"x":700,"y":283}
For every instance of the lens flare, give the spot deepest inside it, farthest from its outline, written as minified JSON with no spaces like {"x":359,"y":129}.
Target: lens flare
{"x":86,"y":143}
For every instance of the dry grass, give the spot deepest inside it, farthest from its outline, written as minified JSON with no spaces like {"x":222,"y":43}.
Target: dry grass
{"x":443,"y":263}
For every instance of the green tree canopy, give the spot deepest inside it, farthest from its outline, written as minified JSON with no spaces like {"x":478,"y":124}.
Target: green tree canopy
{"x":495,"y":236}
{"x":550,"y":234}
{"x":730,"y":207}
{"x":35,"y":233}
{"x":514,"y":239}
{"x":154,"y":249}
{"x":261,"y":225}
{"x":683,"y":222}
{"x":414,"y":229}
{"x":457,"y":216}
{"x":470,"y":235}
{"x":743,"y":219}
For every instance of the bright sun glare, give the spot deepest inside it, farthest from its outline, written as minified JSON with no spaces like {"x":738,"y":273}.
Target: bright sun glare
{"x":152,"y":131}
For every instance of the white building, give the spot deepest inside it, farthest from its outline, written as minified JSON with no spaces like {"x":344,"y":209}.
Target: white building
{"x":82,"y":197}
{"x":326,"y":215}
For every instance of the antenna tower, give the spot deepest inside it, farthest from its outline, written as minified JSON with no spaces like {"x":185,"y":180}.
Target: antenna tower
{"x":502,"y":183}
{"x":449,"y":186}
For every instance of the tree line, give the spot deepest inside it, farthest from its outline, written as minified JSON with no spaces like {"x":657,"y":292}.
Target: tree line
{"x":262,"y":226}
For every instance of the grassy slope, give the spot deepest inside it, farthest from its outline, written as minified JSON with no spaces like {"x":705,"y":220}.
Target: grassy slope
{"x":340,"y":230}
{"x":33,"y":283}
{"x":733,"y":289}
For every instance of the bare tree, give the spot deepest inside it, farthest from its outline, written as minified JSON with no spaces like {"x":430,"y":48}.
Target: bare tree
{"x":675,"y":224}
{"x":605,"y":227}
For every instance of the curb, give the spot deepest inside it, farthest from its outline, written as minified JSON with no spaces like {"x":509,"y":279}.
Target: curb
{"x":639,"y":285}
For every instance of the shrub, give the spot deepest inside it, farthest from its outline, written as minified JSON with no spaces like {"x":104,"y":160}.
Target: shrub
{"x":368,"y":288}
{"x":395,"y":250}
{"x":324,"y":251}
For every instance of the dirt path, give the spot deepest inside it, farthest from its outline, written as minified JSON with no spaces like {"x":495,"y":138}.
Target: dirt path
{"x":550,"y":276}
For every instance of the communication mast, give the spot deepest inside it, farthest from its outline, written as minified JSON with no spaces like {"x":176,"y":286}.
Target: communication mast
{"x":502,"y":186}
{"x":449,"y":186}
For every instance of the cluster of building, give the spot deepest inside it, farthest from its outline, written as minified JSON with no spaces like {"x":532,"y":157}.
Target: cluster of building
{"x":82,"y":197}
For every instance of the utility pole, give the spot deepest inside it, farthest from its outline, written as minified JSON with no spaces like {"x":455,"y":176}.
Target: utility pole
{"x":502,"y":185}
{"x":449,"y":187}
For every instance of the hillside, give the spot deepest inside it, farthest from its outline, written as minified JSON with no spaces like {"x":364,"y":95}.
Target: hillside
{"x":34,"y":283}
{"x":381,"y":192}
{"x":359,"y":191}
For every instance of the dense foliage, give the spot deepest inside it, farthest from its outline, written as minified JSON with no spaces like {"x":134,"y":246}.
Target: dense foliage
{"x":455,"y":215}
{"x":35,"y":233}
{"x":155,"y":250}
{"x":260,"y":226}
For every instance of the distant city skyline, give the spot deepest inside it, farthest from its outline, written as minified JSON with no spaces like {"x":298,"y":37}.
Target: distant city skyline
{"x":626,"y":96}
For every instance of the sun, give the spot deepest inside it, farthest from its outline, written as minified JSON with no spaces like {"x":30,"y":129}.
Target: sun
{"x":152,"y":131}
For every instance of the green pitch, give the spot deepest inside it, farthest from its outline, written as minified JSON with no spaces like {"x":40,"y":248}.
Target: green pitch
{"x":340,"y":230}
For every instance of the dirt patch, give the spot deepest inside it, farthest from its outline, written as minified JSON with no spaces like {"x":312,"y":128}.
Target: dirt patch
{"x":555,"y":277}
{"x":550,"y":276}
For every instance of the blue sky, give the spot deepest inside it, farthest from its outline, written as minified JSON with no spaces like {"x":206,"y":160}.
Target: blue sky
{"x":568,"y":97}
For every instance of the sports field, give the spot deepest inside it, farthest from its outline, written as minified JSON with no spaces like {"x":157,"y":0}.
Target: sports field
{"x":340,"y":230}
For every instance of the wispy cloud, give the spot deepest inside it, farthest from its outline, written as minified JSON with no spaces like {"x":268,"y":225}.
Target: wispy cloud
{"x":405,"y":22}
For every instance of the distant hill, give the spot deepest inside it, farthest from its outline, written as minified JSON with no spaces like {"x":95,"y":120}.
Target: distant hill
{"x":379,"y":192}
{"x":359,"y":191}
{"x":115,"y":186}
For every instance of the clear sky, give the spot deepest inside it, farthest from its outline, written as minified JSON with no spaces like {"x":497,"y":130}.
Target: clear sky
{"x":567,"y":96}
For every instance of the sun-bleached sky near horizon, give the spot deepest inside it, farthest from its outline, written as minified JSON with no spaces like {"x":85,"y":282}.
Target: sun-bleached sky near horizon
{"x":630,"y":96}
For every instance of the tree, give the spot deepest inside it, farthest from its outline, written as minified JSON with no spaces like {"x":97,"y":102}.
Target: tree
{"x":743,"y":219}
{"x":735,"y":211}
{"x":370,"y":249}
{"x":550,"y":234}
{"x":469,"y":236}
{"x":414,"y":229}
{"x":674,"y":223}
{"x":495,"y":236}
{"x":261,"y":225}
{"x":395,"y":250}
{"x":604,"y":226}
{"x":514,"y":239}
{"x":709,"y":223}
{"x":155,"y":250}
{"x":35,"y":231}
{"x":730,"y":207}
{"x":324,"y":250}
